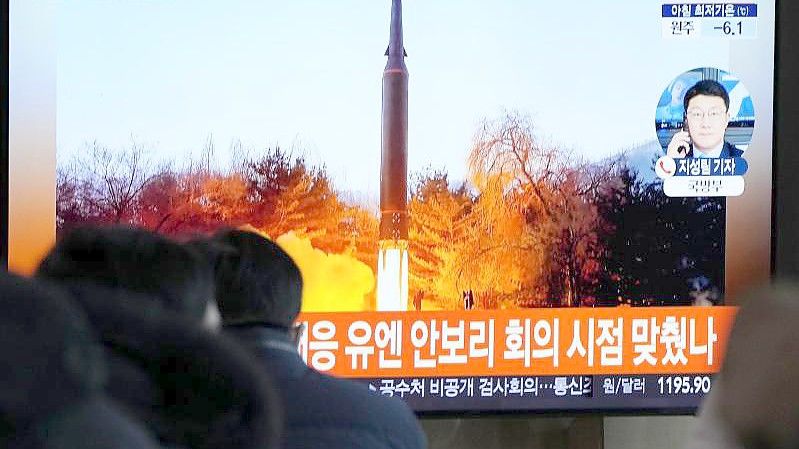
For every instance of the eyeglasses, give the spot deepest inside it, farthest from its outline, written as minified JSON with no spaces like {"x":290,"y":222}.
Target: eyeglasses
{"x":715,"y":115}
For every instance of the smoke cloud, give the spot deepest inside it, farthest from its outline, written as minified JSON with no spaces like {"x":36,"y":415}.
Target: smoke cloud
{"x":332,"y":282}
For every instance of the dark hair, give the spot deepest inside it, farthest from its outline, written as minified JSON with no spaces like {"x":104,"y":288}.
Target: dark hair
{"x":707,"y":87}
{"x":258,"y":282}
{"x":176,"y":275}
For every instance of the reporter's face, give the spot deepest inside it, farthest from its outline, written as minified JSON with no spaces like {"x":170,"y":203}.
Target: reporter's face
{"x":707,"y":120}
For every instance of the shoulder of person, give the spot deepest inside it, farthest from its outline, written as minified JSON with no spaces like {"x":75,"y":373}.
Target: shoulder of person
{"x":403,"y":428}
{"x":390,"y":416}
{"x":733,"y":150}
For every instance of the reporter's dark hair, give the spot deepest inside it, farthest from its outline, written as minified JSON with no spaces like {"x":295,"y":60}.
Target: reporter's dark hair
{"x":136,"y":260}
{"x":256,"y":281}
{"x":710,"y":88}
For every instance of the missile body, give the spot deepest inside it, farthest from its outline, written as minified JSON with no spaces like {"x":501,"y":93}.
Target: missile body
{"x":392,"y":260}
{"x":394,"y":161}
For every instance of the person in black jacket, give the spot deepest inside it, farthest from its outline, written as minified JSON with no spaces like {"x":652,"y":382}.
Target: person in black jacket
{"x":146,"y":296}
{"x":54,"y":373}
{"x":259,"y":293}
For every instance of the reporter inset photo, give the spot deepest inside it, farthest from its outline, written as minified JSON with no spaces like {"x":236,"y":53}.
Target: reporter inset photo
{"x":705,"y":113}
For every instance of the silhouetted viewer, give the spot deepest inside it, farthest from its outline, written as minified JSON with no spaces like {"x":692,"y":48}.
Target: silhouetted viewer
{"x":754,"y":403}
{"x":178,"y":277}
{"x":146,"y":296}
{"x":259,"y":292}
{"x":51,"y":394}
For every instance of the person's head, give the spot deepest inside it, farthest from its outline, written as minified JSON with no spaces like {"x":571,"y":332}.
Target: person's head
{"x":707,"y":114}
{"x":759,"y":389}
{"x":54,"y":375}
{"x":136,"y":260}
{"x":258,"y":283}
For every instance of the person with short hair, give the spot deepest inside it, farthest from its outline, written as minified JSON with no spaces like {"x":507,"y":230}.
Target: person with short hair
{"x":259,"y":293}
{"x":707,"y":116}
{"x":147,"y":296}
{"x":177,"y":276}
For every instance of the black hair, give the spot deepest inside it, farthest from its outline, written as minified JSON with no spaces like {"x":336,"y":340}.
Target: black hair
{"x":257,"y":282}
{"x":137,"y":260}
{"x":707,"y":87}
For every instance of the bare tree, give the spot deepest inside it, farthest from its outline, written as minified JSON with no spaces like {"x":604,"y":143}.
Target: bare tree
{"x":553,"y":189}
{"x":509,"y":147}
{"x":73,"y":199}
{"x":114,"y":179}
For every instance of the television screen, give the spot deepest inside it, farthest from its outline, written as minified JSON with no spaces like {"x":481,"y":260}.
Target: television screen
{"x":495,"y":206}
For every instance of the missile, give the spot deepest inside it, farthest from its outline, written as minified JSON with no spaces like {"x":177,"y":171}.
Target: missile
{"x":392,"y":259}
{"x":394,"y":160}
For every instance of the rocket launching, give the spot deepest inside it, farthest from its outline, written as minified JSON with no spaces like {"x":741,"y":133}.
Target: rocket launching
{"x":392,"y":269}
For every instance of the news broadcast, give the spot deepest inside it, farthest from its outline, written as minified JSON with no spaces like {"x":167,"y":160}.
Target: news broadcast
{"x":495,"y":206}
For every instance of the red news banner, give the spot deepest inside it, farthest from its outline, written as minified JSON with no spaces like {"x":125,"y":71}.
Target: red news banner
{"x":651,"y":340}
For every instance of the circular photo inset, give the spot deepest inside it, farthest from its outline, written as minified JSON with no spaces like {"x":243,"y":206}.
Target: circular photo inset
{"x":705,"y":113}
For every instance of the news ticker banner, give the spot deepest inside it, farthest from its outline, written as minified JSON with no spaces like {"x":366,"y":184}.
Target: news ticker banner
{"x":546,"y":393}
{"x":520,"y":343}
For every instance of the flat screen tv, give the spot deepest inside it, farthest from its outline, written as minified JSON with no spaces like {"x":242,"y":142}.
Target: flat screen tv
{"x":496,"y":206}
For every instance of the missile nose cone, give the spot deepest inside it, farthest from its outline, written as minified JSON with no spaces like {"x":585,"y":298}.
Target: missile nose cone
{"x":396,"y":50}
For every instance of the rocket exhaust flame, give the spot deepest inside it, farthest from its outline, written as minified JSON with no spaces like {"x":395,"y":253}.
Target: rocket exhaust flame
{"x":392,"y":276}
{"x":392,"y":271}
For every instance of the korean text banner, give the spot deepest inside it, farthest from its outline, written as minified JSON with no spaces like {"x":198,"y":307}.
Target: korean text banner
{"x":541,"y":342}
